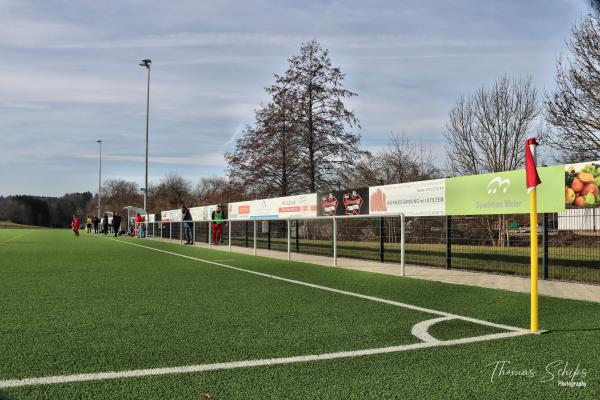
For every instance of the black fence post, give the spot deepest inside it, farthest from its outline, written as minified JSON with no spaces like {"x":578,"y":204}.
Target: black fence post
{"x":448,"y":242}
{"x":246,"y":229}
{"x":297,"y":238}
{"x":381,"y":241}
{"x":545,"y":245}
{"x":268,"y":235}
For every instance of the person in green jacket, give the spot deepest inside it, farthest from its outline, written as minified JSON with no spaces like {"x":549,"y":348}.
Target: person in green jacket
{"x":217,"y":218}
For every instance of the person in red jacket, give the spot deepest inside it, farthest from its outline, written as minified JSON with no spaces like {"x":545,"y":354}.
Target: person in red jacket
{"x":75,"y":224}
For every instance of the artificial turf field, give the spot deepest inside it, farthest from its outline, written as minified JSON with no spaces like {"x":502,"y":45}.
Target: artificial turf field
{"x":87,"y":305}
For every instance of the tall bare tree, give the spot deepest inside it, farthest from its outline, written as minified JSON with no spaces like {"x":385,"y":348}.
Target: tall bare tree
{"x":402,"y":160}
{"x":267,"y":158}
{"x":486,"y":131}
{"x":217,"y":190}
{"x":172,"y":192}
{"x":321,"y":113}
{"x":574,"y":107}
{"x":118,"y":193}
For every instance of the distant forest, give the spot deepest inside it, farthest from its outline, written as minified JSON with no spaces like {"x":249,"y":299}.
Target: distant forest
{"x":44,"y":211}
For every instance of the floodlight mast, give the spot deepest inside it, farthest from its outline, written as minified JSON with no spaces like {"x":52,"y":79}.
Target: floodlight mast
{"x":100,"y":179}
{"x":146,"y":63}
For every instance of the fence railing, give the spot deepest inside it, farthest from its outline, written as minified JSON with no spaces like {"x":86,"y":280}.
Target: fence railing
{"x":569,"y":245}
{"x":323,"y":236}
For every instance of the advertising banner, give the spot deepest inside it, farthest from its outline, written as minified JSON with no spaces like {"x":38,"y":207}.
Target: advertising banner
{"x":504,"y":193}
{"x":164,"y":216}
{"x":412,"y":199}
{"x":301,"y":206}
{"x":581,"y":185}
{"x":198,"y":213}
{"x":175,"y":215}
{"x":343,"y":202}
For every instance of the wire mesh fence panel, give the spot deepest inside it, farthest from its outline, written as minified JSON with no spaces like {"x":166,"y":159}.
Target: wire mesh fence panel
{"x":496,"y":244}
{"x":175,"y":230}
{"x":424,"y":241}
{"x":312,"y":236}
{"x":242,"y":233}
{"x":359,"y":238}
{"x":201,"y":231}
{"x":271,"y":235}
{"x":574,"y":246}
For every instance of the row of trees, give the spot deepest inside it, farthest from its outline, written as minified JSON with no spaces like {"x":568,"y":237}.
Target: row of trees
{"x":302,"y":139}
{"x":171,"y":192}
{"x":43,"y":211}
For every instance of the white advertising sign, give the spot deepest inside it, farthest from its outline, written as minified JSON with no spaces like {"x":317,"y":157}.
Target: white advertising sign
{"x":198,"y":213}
{"x":175,"y":215}
{"x":300,"y":206}
{"x":412,"y":198}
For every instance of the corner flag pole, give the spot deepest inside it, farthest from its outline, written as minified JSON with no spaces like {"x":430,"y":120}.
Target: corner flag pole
{"x":532,"y":180}
{"x":533,"y":222}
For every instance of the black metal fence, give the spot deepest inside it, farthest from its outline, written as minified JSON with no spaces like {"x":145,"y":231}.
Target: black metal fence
{"x":569,"y":242}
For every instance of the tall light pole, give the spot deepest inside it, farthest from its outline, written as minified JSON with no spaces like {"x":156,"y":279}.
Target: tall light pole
{"x":146,"y":63}
{"x":100,"y":179}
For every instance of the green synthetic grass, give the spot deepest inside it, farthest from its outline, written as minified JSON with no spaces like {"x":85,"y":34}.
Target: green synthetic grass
{"x":74,"y":305}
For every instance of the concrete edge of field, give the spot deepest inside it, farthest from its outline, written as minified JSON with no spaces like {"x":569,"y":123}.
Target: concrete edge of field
{"x":564,"y":290}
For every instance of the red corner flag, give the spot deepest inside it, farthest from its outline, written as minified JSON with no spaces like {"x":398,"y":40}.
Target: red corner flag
{"x":531,"y":174}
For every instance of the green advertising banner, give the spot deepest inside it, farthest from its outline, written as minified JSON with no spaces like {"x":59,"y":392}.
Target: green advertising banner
{"x":504,"y":193}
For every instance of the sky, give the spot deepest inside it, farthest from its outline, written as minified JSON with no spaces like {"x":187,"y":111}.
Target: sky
{"x":69,"y":75}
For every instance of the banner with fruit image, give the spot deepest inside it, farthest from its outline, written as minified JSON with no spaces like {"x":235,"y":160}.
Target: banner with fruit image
{"x":581,"y":185}
{"x":413,"y":198}
{"x":504,"y":193}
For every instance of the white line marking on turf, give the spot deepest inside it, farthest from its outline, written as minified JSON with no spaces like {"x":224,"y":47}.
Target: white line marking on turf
{"x":244,"y":364}
{"x":420,"y":329}
{"x":329,"y":289}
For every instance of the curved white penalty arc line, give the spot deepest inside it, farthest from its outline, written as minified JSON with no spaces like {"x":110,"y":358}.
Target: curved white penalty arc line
{"x":421,"y":329}
{"x":48,"y":380}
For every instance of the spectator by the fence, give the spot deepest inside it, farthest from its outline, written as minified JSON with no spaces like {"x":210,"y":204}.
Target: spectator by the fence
{"x":217,"y":218}
{"x":96,"y":222}
{"x":186,"y":217}
{"x":139,"y":225}
{"x":105,"y":224}
{"x":75,"y":224}
{"x":88,"y":224}
{"x":116,"y":222}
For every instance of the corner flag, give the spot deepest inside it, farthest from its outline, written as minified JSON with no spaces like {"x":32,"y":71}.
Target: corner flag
{"x":532,"y":177}
{"x":532,"y":180}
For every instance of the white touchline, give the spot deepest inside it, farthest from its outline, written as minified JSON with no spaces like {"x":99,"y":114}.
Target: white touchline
{"x":136,"y":373}
{"x":419,"y":330}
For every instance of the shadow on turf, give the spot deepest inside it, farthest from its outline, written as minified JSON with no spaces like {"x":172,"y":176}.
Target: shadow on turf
{"x":4,"y":396}
{"x":565,"y":330}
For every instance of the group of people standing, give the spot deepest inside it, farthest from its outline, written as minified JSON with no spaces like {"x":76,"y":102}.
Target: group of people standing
{"x":217,"y":217}
{"x":96,"y":225}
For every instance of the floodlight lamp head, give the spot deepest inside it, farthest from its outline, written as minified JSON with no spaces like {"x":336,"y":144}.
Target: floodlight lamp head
{"x":146,"y":63}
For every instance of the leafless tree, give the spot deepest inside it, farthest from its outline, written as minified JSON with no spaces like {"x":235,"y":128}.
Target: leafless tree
{"x":217,"y":190}
{"x":172,"y":192}
{"x":118,"y":193}
{"x":486,"y":131}
{"x":574,"y":107}
{"x":267,"y":159}
{"x":321,"y":114}
{"x":402,"y":160}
